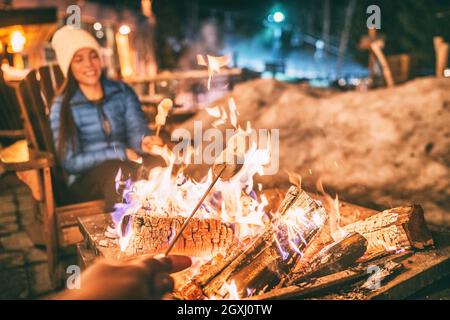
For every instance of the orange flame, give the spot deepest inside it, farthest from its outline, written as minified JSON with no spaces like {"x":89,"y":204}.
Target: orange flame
{"x":213,"y":63}
{"x":337,"y":233}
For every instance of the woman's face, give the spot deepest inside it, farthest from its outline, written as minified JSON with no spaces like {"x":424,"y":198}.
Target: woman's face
{"x":86,"y":66}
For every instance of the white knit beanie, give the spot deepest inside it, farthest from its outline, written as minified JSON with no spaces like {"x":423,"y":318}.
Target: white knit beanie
{"x":68,"y":40}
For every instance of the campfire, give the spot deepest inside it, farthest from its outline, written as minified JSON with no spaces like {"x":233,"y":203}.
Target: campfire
{"x":244,"y":246}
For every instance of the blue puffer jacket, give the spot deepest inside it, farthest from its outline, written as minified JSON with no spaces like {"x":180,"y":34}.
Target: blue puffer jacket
{"x":122,"y":111}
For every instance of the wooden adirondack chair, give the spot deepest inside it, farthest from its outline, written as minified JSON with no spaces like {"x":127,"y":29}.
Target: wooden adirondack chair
{"x":61,"y":229}
{"x":51,"y":79}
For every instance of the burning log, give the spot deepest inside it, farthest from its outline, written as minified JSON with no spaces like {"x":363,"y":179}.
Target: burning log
{"x":387,"y":231}
{"x":262,"y":264}
{"x":394,"y":229}
{"x":202,"y":237}
{"x":333,"y":258}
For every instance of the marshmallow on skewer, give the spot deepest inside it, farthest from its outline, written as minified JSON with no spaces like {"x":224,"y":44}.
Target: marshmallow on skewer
{"x":163,"y":111}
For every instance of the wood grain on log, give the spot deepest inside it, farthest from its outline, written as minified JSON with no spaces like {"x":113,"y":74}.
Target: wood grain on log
{"x":333,"y":258}
{"x":393,"y":229}
{"x":386,"y":231}
{"x":202,"y":237}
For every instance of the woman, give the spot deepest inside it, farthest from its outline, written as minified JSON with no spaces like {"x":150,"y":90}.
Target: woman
{"x":97,"y":124}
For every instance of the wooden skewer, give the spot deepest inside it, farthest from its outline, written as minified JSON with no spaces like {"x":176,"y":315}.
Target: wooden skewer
{"x":158,"y":128}
{"x":194,"y":211}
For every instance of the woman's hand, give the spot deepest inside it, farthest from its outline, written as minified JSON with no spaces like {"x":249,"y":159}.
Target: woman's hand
{"x":143,"y":277}
{"x":149,"y":141}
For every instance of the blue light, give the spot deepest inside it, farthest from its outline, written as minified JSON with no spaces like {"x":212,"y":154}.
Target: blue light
{"x":278,"y":17}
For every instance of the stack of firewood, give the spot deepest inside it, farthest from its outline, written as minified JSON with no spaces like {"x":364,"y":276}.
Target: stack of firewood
{"x":270,"y":261}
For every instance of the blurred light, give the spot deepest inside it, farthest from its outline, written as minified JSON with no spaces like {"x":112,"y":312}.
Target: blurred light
{"x":342,"y":82}
{"x":163,"y":83}
{"x":278,"y":17}
{"x":447,"y":73}
{"x":17,"y":41}
{"x":99,"y":34}
{"x":124,"y":30}
{"x":320,"y":44}
{"x":98,"y":26}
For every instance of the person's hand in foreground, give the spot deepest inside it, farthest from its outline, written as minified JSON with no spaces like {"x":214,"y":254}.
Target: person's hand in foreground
{"x":149,"y":141}
{"x":138,"y":278}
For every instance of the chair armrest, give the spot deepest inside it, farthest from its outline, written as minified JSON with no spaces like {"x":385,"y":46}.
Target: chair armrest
{"x":15,"y":134}
{"x":40,"y":160}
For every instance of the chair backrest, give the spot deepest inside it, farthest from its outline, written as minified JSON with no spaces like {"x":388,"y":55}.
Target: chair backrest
{"x":51,"y":80}
{"x":10,"y":116}
{"x":37,"y":123}
{"x":35,"y":112}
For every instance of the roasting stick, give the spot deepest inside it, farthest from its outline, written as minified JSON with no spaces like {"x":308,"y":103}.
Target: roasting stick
{"x":195,"y":210}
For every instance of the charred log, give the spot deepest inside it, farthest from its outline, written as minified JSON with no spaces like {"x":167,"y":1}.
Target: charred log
{"x":202,"y":237}
{"x":386,"y":231}
{"x":262,"y":264}
{"x":333,"y":258}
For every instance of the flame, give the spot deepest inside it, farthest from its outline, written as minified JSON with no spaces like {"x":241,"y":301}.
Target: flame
{"x":233,"y":112}
{"x":213,"y":63}
{"x":337,"y":233}
{"x":228,"y":291}
{"x":169,"y":195}
{"x":291,"y":228}
{"x":213,"y":112}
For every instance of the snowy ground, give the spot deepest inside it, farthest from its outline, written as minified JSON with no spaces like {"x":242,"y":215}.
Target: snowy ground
{"x":383,"y":148}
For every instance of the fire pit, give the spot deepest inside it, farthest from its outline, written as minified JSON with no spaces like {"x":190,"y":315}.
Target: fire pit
{"x":271,"y":244}
{"x":398,"y":259}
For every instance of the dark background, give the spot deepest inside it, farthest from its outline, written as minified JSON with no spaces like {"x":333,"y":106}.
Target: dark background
{"x":407,"y":25}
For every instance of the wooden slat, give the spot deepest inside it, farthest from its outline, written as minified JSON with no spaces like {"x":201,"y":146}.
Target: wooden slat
{"x":10,"y":116}
{"x":69,"y":217}
{"x":45,"y":160}
{"x":51,"y":80}
{"x":12,"y":133}
{"x":28,"y":16}
{"x":79,"y":206}
{"x":69,"y":236}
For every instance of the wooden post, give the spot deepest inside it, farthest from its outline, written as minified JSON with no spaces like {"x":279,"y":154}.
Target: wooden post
{"x":376,"y":47}
{"x":50,"y":229}
{"x":441,"y":51}
{"x":372,"y":37}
